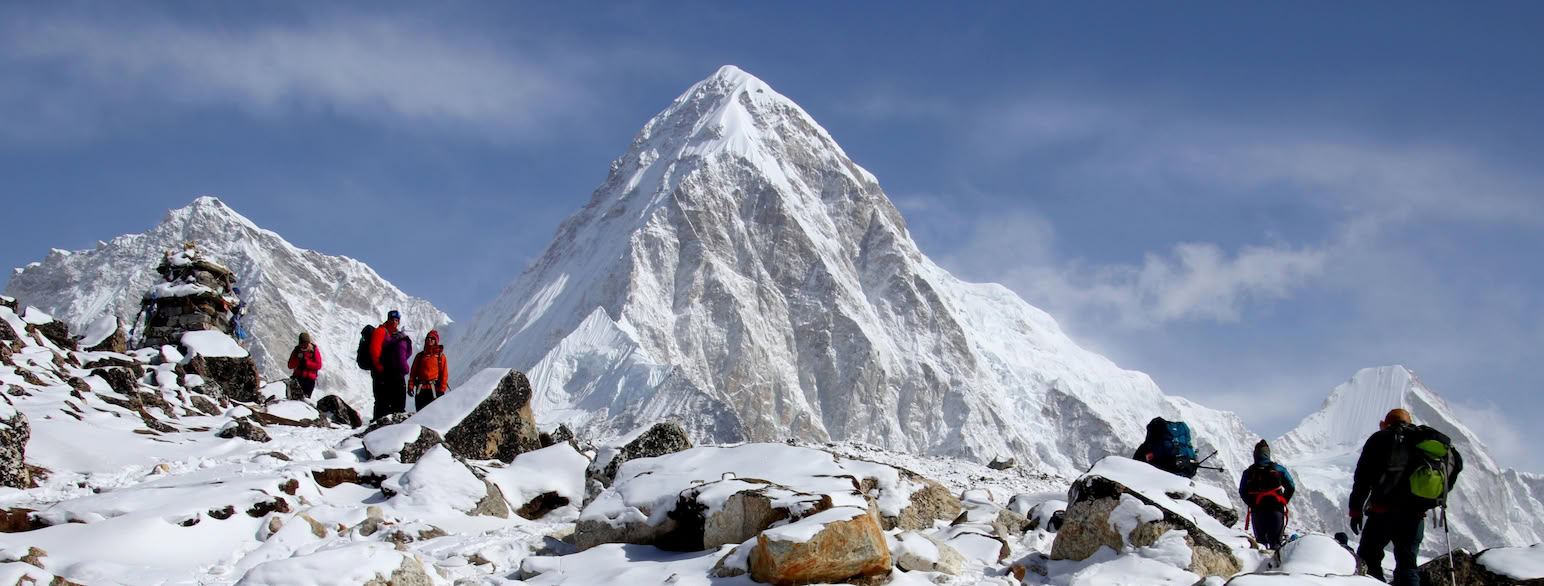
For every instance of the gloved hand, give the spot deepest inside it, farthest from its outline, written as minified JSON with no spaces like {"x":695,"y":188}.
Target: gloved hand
{"x":1356,"y":522}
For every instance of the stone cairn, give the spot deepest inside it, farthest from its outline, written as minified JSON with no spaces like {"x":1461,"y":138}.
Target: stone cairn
{"x":195,"y":295}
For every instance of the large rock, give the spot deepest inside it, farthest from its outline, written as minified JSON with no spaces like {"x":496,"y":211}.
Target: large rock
{"x":1492,"y":567}
{"x":663,"y":438}
{"x":106,"y":335}
{"x":56,"y":332}
{"x":930,"y":502}
{"x":487,"y":417}
{"x":1138,"y":509}
{"x":343,"y":566}
{"x":243,"y":428}
{"x":338,"y":411}
{"x":14,"y":433}
{"x":920,"y":552}
{"x":832,"y":546}
{"x":407,"y":441}
{"x":705,"y":518}
{"x":237,"y":378}
{"x":439,"y":479}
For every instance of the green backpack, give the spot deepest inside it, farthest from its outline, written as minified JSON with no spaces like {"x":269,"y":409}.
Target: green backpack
{"x":1428,"y":465}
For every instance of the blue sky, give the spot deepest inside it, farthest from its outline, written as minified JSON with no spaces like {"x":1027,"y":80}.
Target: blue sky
{"x":1248,"y":202}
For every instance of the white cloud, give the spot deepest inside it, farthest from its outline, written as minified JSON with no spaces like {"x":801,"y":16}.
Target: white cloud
{"x":1510,"y":446}
{"x":396,"y":69}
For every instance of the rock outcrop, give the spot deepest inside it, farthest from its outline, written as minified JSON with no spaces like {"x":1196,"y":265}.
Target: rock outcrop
{"x":236,"y":377}
{"x":1137,"y":510}
{"x":14,"y":433}
{"x":338,"y":411}
{"x":487,"y":418}
{"x":1500,"y":566}
{"x":663,"y":438}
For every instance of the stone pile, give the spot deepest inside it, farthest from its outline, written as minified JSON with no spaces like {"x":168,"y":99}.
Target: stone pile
{"x":196,"y":294}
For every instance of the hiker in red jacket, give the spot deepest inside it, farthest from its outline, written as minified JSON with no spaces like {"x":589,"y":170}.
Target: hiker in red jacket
{"x":430,"y":375}
{"x":386,"y":377}
{"x":306,"y":361}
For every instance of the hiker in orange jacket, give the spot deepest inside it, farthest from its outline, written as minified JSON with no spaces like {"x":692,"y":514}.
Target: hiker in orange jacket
{"x":430,"y":375}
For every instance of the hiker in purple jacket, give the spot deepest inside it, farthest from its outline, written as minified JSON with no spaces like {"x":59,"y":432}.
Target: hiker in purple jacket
{"x":396,"y":362}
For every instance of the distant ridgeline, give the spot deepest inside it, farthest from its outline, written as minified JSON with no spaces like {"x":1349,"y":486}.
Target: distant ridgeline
{"x":197,"y":294}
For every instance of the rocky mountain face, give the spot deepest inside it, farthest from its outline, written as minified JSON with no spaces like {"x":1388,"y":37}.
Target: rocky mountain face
{"x":1491,"y":506}
{"x":287,"y":290}
{"x":739,"y":273}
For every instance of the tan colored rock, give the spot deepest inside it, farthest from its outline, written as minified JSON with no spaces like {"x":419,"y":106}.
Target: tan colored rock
{"x":846,"y":543}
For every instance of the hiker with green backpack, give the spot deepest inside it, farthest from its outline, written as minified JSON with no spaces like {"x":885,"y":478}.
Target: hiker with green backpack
{"x":1404,"y":471}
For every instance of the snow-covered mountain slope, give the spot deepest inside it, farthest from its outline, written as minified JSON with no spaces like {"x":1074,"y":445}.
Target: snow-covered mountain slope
{"x":1490,"y":506}
{"x":738,"y":272}
{"x":287,"y":290}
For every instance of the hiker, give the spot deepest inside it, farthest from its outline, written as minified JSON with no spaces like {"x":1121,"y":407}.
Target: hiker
{"x":1266,"y":487}
{"x":430,"y":376}
{"x":1167,"y":447}
{"x":306,"y":361}
{"x":389,"y":352}
{"x":1404,"y":471}
{"x":237,"y":331}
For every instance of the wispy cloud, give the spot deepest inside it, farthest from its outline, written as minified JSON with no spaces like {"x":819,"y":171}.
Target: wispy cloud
{"x":93,"y":71}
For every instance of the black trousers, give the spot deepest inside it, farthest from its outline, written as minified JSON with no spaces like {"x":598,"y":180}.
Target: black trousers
{"x":390,"y":392}
{"x":423,"y":396}
{"x":307,"y":385}
{"x":1405,"y":531}
{"x":1270,"y":527}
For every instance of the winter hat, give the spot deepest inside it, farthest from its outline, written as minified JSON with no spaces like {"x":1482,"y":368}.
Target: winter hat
{"x":305,"y":337}
{"x":1262,"y":451}
{"x":393,"y":314}
{"x":433,"y":335}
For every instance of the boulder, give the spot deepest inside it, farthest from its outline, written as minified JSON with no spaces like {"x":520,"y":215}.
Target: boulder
{"x":831,"y":546}
{"x":58,"y":333}
{"x":488,"y":417}
{"x":1493,"y":567}
{"x":120,"y":380}
{"x":930,"y":502}
{"x":14,"y":433}
{"x":920,"y":552}
{"x":544,"y":503}
{"x":1136,"y":510}
{"x":706,"y":516}
{"x":338,"y":411}
{"x":440,"y":480}
{"x":561,"y":434}
{"x":408,"y":441}
{"x":292,"y":390}
{"x":243,"y":428}
{"x":117,"y":341}
{"x":663,"y":438}
{"x":236,"y":376}
{"x":343,"y":567}
{"x":997,"y":464}
{"x":1317,"y":555}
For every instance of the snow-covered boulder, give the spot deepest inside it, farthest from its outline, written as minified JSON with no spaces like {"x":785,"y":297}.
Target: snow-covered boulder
{"x":709,"y":496}
{"x":830,"y":546}
{"x":920,"y":552}
{"x":407,"y":441}
{"x":244,"y":428}
{"x":1123,"y":504}
{"x":105,"y":335}
{"x":439,"y":481}
{"x":1318,"y":555}
{"x":219,"y":360}
{"x":662,"y":438}
{"x":52,"y":329}
{"x":368,"y":563}
{"x":487,"y":417}
{"x":14,"y":433}
{"x":538,"y":482}
{"x":1492,"y":567}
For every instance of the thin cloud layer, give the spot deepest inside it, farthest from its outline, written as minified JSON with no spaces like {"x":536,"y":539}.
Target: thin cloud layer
{"x":396,"y":70}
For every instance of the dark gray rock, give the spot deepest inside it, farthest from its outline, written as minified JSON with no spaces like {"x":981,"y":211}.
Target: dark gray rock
{"x":237,"y":377}
{"x":663,"y":438}
{"x":1468,"y":570}
{"x":122,"y":380}
{"x":338,"y":411}
{"x":996,"y":464}
{"x":392,"y":419}
{"x":58,"y":333}
{"x":544,"y":503}
{"x":501,"y":427}
{"x":117,"y":361}
{"x":561,"y":434}
{"x":117,"y":342}
{"x":243,"y":428}
{"x":14,"y":433}
{"x":427,"y":439}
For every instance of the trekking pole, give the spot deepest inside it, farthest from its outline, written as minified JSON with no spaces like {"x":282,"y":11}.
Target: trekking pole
{"x":1448,"y":534}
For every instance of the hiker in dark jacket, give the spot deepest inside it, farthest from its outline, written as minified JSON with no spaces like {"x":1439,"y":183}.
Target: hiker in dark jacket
{"x":430,"y":375}
{"x":1266,"y":487}
{"x":306,"y":361}
{"x":386,"y":376}
{"x":1390,"y":516}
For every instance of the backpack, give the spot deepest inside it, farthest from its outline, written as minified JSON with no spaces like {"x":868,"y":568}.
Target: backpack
{"x":1170,"y":443}
{"x":363,"y":356}
{"x":1264,"y":487}
{"x":1423,"y":465}
{"x":392,"y":351}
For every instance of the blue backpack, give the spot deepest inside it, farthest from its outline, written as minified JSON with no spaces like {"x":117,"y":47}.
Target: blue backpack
{"x":1171,"y":447}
